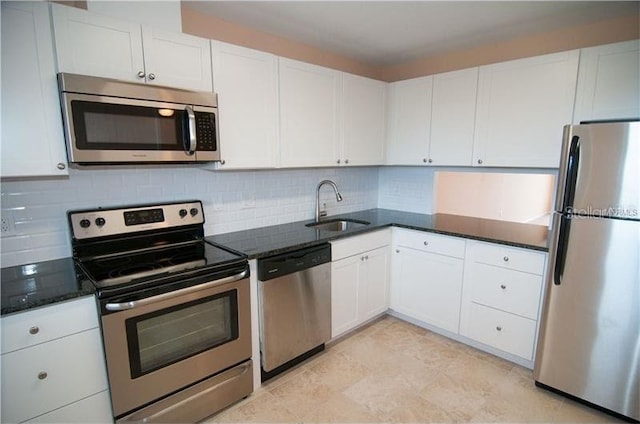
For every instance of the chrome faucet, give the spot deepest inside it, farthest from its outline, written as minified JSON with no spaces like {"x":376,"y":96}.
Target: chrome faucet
{"x":338,"y":197}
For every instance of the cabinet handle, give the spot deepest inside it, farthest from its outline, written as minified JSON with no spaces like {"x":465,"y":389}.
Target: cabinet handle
{"x":499,"y":328}
{"x":222,"y":162}
{"x":506,"y":259}
{"x":152,"y":76}
{"x":34,"y":330}
{"x":426,"y":243}
{"x":397,"y":250}
{"x":479,"y":161}
{"x":430,"y":160}
{"x":338,"y":161}
{"x":141,"y":74}
{"x":61,"y":166}
{"x":503,"y":287}
{"x":362,"y":258}
{"x":424,"y":160}
{"x":346,"y":161}
{"x":367,"y":257}
{"x":42,"y":375}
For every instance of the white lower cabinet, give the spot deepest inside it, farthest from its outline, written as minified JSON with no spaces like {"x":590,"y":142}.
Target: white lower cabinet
{"x":54,"y":374}
{"x":501,"y":297}
{"x":427,"y":272}
{"x":359,"y":280}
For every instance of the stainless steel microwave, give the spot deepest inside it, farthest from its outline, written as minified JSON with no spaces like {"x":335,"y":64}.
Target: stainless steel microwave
{"x":109,"y":121}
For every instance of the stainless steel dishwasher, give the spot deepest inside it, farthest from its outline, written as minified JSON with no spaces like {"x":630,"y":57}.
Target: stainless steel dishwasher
{"x":294,"y":292}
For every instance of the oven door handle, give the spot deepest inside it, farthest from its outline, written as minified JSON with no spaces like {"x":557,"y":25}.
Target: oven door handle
{"x":187,"y":290}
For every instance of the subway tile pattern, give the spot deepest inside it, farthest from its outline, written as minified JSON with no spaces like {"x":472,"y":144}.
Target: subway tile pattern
{"x":34,"y":210}
{"x":409,"y":189}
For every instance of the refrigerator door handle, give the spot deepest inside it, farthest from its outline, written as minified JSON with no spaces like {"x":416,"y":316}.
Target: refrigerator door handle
{"x":561,"y":250}
{"x":572,"y":175}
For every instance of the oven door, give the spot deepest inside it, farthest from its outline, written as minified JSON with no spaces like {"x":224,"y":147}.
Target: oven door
{"x":103,"y":129}
{"x":158,"y":345}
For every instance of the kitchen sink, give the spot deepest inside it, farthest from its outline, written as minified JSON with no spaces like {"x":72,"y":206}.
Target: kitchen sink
{"x":338,"y":224}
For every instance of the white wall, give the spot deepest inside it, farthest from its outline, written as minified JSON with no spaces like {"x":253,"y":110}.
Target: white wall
{"x":232,"y":200}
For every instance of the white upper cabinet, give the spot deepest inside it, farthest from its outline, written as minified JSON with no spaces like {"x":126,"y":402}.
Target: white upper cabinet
{"x":309,"y":114}
{"x":521,"y":109}
{"x":32,"y":137}
{"x":246,"y":82}
{"x":363,"y":128}
{"x":409,"y":121}
{"x":93,"y":44}
{"x":453,"y":114}
{"x":609,"y":82}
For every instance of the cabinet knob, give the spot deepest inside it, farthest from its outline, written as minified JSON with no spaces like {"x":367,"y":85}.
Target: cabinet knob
{"x":222,"y":162}
{"x":503,"y":286}
{"x":424,"y":160}
{"x":426,"y":243}
{"x":430,"y":160}
{"x":61,"y":166}
{"x":499,"y":328}
{"x":152,"y":76}
{"x":367,"y":257}
{"x":506,"y":259}
{"x":346,"y":161}
{"x":140,"y":74}
{"x":397,"y":250}
{"x":479,"y":161}
{"x":42,"y":375}
{"x":34,"y":330}
{"x":338,"y":161}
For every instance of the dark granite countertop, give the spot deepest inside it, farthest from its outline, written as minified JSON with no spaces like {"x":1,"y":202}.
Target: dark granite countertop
{"x":267,"y":241}
{"x":29,"y":286}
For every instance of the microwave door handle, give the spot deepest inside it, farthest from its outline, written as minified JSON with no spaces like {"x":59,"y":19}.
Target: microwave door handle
{"x":191,"y":131}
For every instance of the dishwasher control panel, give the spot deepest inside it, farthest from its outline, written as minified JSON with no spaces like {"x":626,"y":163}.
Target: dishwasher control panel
{"x":297,"y":260}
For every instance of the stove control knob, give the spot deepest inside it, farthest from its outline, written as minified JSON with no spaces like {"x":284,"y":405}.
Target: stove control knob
{"x":183,"y":213}
{"x":100,"y":221}
{"x":193,"y":211}
{"x":85,"y":223}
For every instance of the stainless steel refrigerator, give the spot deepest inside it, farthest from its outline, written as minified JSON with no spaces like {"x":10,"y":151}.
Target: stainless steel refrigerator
{"x":589,"y":341}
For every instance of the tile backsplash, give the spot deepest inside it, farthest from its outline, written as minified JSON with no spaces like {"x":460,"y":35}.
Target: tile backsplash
{"x":34,"y":211}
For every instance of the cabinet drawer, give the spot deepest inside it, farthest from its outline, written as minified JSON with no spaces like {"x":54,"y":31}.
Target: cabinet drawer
{"x":512,"y":291}
{"x":353,"y":245}
{"x":508,"y":257}
{"x":25,"y":329}
{"x":502,"y":330}
{"x":94,"y":409}
{"x":430,"y":242}
{"x":74,"y":368}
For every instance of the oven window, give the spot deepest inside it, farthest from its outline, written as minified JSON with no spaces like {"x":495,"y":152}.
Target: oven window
{"x":107,"y":126}
{"x":164,"y":337}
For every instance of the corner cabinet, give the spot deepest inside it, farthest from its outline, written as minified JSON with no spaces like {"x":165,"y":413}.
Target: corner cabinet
{"x":501,"y":297}
{"x":521,"y":109}
{"x":359,"y":280}
{"x":363,"y":129}
{"x":309,"y":114}
{"x":609,"y":82}
{"x":53,"y":367}
{"x":427,"y":272}
{"x":94,"y":44}
{"x":246,"y":82}
{"x":32,"y":137}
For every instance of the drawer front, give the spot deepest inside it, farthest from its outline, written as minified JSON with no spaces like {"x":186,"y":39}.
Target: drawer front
{"x":508,"y":257}
{"x":512,"y":291}
{"x":74,"y":368}
{"x":94,"y":409}
{"x":24,"y":329}
{"x":350,"y":246}
{"x":502,"y":330}
{"x":430,"y":242}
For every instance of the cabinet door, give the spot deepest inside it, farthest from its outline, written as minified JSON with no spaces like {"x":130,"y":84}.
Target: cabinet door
{"x":93,"y":44}
{"x":609,"y":82}
{"x":428,"y":287}
{"x":344,"y":294}
{"x":246,"y":82}
{"x":521,"y":110}
{"x":177,"y":60}
{"x":32,"y":137}
{"x":94,"y":409}
{"x":309,"y":127}
{"x":374,"y":284}
{"x":453,"y":117}
{"x":364,"y":121}
{"x":409,"y":121}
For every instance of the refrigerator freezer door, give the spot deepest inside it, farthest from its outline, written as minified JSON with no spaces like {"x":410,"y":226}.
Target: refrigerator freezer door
{"x":589,"y":345}
{"x":603,"y":162}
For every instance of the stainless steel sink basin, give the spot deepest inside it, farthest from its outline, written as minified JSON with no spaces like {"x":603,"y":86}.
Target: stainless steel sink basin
{"x":338,"y":224}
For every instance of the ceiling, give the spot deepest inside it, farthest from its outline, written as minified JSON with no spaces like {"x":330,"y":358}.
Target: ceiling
{"x":383,"y":33}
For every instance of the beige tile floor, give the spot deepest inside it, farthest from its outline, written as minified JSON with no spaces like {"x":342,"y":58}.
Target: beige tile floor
{"x":394,"y":372}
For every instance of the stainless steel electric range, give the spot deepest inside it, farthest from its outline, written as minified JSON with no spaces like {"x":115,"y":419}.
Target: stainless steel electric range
{"x":175,"y":310}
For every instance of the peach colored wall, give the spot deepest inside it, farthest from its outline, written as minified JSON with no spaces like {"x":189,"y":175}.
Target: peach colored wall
{"x":79,"y":4}
{"x":508,"y":197}
{"x":604,"y":32}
